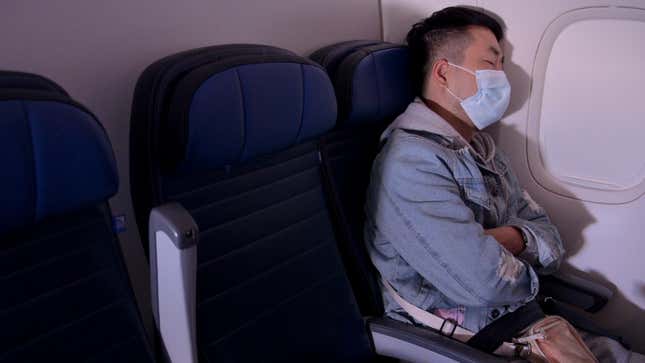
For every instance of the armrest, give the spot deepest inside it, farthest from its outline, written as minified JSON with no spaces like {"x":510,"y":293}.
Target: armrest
{"x":575,"y":290}
{"x":414,"y":344}
{"x":173,"y":236}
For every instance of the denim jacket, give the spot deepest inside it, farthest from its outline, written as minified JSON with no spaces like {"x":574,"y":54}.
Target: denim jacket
{"x":431,"y":196}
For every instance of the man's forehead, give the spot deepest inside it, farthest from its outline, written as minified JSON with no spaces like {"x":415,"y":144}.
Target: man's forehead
{"x":486,"y":41}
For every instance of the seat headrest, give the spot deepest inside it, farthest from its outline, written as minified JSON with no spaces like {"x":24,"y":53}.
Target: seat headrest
{"x":240,"y":108}
{"x":331,"y":56}
{"x":373,"y":84}
{"x":55,"y":157}
{"x":29,"y":81}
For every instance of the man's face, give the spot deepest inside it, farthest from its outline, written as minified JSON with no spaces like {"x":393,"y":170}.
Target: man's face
{"x":483,"y":52}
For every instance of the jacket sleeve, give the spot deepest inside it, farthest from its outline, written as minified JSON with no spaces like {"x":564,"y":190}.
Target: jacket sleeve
{"x":544,"y":248}
{"x":421,"y":212}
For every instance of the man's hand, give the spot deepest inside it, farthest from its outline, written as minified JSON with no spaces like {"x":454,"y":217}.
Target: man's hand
{"x":509,"y":237}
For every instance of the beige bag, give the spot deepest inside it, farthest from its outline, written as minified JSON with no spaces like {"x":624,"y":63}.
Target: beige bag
{"x":554,"y":340}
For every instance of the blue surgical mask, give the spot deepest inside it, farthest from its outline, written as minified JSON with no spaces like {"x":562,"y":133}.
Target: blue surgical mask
{"x":490,"y":102}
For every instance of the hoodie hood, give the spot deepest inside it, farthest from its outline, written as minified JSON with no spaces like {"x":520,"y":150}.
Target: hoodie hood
{"x":421,"y":118}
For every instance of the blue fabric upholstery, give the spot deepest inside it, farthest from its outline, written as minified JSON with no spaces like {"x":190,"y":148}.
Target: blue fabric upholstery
{"x":298,"y":98}
{"x":244,"y":129}
{"x":55,"y":158}
{"x":373,"y":84}
{"x":372,"y":88}
{"x":156,"y":89}
{"x":269,"y":273}
{"x":66,"y":295}
{"x":331,"y":56}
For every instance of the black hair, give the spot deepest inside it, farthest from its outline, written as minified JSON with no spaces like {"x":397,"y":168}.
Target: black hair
{"x":445,"y":33}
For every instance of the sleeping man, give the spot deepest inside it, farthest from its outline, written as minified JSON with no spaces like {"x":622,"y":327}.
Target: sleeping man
{"x":448,"y":224}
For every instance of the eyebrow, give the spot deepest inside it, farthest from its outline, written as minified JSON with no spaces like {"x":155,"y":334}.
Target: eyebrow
{"x":494,"y":50}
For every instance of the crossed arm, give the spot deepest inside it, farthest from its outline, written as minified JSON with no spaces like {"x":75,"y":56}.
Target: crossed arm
{"x":510,"y":237}
{"x":443,"y":242}
{"x":543,"y":249}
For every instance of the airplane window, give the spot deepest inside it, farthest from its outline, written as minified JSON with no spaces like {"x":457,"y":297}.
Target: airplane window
{"x":586,"y":117}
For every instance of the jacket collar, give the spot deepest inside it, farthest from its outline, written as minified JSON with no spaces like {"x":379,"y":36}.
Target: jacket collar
{"x":421,"y":118}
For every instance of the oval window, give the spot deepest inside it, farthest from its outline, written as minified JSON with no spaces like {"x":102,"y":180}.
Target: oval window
{"x":586,"y":113}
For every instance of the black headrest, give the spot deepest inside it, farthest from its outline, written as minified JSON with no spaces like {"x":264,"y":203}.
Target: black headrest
{"x":29,"y":81}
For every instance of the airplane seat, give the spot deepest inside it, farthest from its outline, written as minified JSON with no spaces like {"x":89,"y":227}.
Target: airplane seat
{"x":243,"y":257}
{"x":153,"y":91}
{"x":372,"y":88}
{"x":66,"y":294}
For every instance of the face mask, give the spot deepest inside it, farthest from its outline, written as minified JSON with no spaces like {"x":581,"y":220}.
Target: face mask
{"x":491,"y":100}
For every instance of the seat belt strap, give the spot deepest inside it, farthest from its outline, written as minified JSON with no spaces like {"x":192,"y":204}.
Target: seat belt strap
{"x":506,"y":327}
{"x":447,"y":327}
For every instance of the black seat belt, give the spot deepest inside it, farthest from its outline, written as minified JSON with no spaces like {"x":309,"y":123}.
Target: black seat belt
{"x":506,"y":327}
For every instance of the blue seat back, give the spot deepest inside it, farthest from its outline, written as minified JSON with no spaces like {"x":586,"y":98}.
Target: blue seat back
{"x":372,"y":88}
{"x":151,"y":151}
{"x":245,"y":163}
{"x":66,"y":295}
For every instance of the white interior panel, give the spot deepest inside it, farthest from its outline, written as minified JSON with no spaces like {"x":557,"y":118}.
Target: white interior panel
{"x":584,"y":108}
{"x":604,"y":241}
{"x":176,"y":300}
{"x":597,"y":60}
{"x":399,"y":15}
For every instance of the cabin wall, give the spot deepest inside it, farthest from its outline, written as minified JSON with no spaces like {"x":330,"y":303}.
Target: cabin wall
{"x":97,"y":49}
{"x":576,"y":148}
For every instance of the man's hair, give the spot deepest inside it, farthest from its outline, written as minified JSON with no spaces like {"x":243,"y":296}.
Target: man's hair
{"x":444,"y":35}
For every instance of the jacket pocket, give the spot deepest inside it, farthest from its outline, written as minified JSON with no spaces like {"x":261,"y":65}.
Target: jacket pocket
{"x":474,"y":191}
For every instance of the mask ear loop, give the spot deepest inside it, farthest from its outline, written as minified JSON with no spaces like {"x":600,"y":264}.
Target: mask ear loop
{"x":453,"y":95}
{"x":463,"y":69}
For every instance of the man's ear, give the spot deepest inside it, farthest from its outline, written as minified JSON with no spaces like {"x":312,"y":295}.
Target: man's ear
{"x":438,"y":72}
